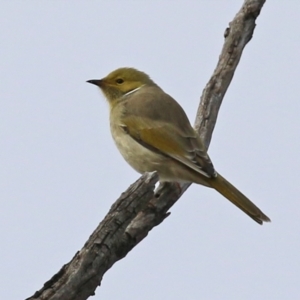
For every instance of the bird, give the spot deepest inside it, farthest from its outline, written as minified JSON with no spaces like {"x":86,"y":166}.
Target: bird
{"x":153,"y":133}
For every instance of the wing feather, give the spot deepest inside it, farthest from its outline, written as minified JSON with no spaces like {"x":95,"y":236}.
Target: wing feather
{"x":161,"y":124}
{"x":169,"y":141}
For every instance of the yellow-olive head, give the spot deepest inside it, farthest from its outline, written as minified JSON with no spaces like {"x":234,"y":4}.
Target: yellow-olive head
{"x":121,"y":82}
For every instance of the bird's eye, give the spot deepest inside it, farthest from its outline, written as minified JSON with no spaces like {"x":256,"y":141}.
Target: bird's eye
{"x":119,"y":81}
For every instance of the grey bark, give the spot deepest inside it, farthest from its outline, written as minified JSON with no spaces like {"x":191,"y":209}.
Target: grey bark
{"x":140,"y":208}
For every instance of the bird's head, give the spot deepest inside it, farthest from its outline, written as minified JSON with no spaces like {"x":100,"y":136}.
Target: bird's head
{"x":121,"y":82}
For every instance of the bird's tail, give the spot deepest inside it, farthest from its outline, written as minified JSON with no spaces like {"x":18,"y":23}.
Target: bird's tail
{"x":225,"y":188}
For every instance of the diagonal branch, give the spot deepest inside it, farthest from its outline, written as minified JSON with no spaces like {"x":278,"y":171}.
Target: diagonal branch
{"x":139,"y":209}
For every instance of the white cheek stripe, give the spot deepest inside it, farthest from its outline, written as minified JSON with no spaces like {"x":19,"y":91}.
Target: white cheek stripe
{"x":133,"y":91}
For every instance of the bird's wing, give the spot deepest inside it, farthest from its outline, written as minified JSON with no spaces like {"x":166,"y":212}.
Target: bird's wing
{"x":183,"y":145}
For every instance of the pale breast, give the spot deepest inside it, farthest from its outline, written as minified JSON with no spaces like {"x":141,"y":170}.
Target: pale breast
{"x":139,"y":157}
{"x":144,"y":160}
{"x":136,"y":155}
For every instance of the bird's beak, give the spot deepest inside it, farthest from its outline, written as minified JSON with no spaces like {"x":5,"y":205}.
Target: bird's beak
{"x":95,"y":82}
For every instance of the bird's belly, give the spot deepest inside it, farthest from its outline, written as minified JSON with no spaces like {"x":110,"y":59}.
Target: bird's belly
{"x":144,"y":160}
{"x":137,"y":156}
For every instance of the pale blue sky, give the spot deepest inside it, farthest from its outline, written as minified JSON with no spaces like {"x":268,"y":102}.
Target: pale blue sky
{"x":60,"y":171}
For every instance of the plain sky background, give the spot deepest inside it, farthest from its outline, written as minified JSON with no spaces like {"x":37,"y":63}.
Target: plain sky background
{"x":60,"y":171}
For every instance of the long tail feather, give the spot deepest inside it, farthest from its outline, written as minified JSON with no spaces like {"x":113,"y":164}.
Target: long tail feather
{"x":225,"y":188}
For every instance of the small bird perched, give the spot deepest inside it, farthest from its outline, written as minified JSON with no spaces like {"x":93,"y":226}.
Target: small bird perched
{"x":153,"y":133}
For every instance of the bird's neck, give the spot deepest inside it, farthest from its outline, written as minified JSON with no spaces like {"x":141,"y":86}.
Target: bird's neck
{"x":133,"y":91}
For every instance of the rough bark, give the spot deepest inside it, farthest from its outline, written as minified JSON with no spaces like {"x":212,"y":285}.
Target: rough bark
{"x":139,"y":208}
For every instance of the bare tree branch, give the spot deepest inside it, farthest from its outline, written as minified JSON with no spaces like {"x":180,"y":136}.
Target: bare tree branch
{"x":237,"y":35}
{"x":139,"y":209}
